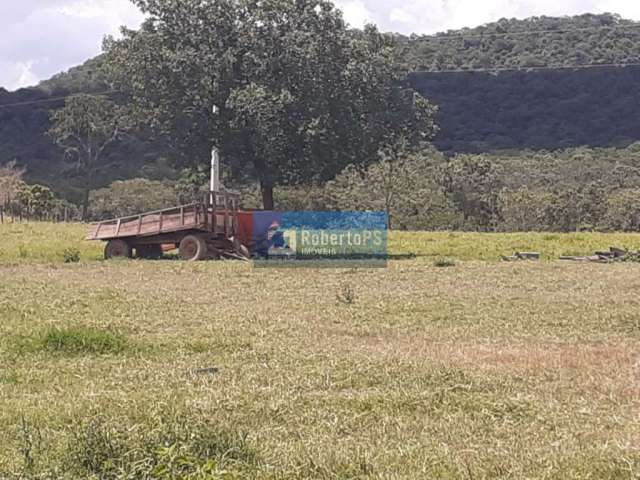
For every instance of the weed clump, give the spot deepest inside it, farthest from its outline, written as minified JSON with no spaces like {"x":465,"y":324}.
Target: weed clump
{"x":346,"y":294}
{"x":162,"y":448}
{"x":444,"y":262}
{"x":81,"y":340}
{"x":71,"y":255}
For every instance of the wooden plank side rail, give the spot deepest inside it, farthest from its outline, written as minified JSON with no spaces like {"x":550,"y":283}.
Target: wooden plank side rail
{"x":218,"y":214}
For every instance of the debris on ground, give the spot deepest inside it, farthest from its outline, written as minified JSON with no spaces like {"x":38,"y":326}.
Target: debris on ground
{"x":612,"y":255}
{"x":519,"y":256}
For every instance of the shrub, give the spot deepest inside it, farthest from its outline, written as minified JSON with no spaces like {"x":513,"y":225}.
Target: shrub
{"x":130,"y":197}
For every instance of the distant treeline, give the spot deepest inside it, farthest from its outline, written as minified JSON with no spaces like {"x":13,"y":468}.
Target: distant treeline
{"x":530,"y":43}
{"x":562,"y":191}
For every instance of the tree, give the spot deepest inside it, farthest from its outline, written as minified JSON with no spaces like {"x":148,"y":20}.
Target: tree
{"x":525,"y":210}
{"x":473,"y":183}
{"x":300,"y":95}
{"x":400,"y":183}
{"x":192,"y":185}
{"x":623,"y":211}
{"x":35,"y":200}
{"x":10,"y":182}
{"x":85,"y":128}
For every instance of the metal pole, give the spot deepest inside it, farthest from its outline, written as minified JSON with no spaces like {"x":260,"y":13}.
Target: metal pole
{"x":214,"y":187}
{"x":215,"y":170}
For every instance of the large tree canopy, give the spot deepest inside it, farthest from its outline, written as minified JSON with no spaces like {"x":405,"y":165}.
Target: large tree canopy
{"x":300,"y":95}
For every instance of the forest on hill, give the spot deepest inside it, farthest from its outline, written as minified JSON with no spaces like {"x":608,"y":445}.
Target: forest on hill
{"x":534,"y":42}
{"x":495,"y":88}
{"x":513,"y":103}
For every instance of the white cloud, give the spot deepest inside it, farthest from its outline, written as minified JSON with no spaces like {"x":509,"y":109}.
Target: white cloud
{"x":114,"y":13}
{"x":401,"y":16}
{"x":626,"y":8}
{"x":56,"y":36}
{"x":17,"y":74}
{"x":430,"y":16}
{"x":355,"y":12}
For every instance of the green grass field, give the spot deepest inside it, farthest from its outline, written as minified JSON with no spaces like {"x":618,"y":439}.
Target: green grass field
{"x":216,"y":370}
{"x":45,"y":243}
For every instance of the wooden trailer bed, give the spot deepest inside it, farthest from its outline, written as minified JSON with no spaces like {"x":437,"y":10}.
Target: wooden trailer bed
{"x":200,"y":230}
{"x":186,"y":217}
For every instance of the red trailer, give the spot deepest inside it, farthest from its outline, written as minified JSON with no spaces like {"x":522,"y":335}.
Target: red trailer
{"x":213,"y":228}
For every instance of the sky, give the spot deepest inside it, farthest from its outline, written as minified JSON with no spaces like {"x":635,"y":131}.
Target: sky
{"x":44,"y":37}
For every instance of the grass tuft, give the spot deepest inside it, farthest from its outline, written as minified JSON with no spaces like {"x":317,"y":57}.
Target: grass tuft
{"x":346,"y":294}
{"x":71,"y":255}
{"x":82,"y":340}
{"x":185,"y":447}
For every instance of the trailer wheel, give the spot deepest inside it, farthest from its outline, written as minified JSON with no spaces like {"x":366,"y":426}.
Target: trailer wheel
{"x":117,"y":249}
{"x":193,"y":248}
{"x":149,"y":252}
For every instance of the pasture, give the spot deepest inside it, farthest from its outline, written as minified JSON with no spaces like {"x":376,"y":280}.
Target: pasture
{"x":166,"y":369}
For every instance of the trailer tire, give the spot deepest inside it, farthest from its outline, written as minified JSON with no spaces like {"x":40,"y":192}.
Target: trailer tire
{"x":193,"y":248}
{"x":117,"y":249}
{"x":149,"y":252}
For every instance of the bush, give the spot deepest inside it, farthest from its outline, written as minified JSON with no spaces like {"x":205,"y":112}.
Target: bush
{"x":130,"y":197}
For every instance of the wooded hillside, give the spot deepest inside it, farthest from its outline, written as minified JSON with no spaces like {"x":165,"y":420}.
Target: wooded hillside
{"x":527,"y":105}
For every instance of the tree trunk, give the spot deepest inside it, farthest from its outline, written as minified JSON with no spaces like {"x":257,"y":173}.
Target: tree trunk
{"x":267,"y":195}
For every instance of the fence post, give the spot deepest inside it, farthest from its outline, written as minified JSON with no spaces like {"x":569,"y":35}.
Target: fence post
{"x":1,"y":214}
